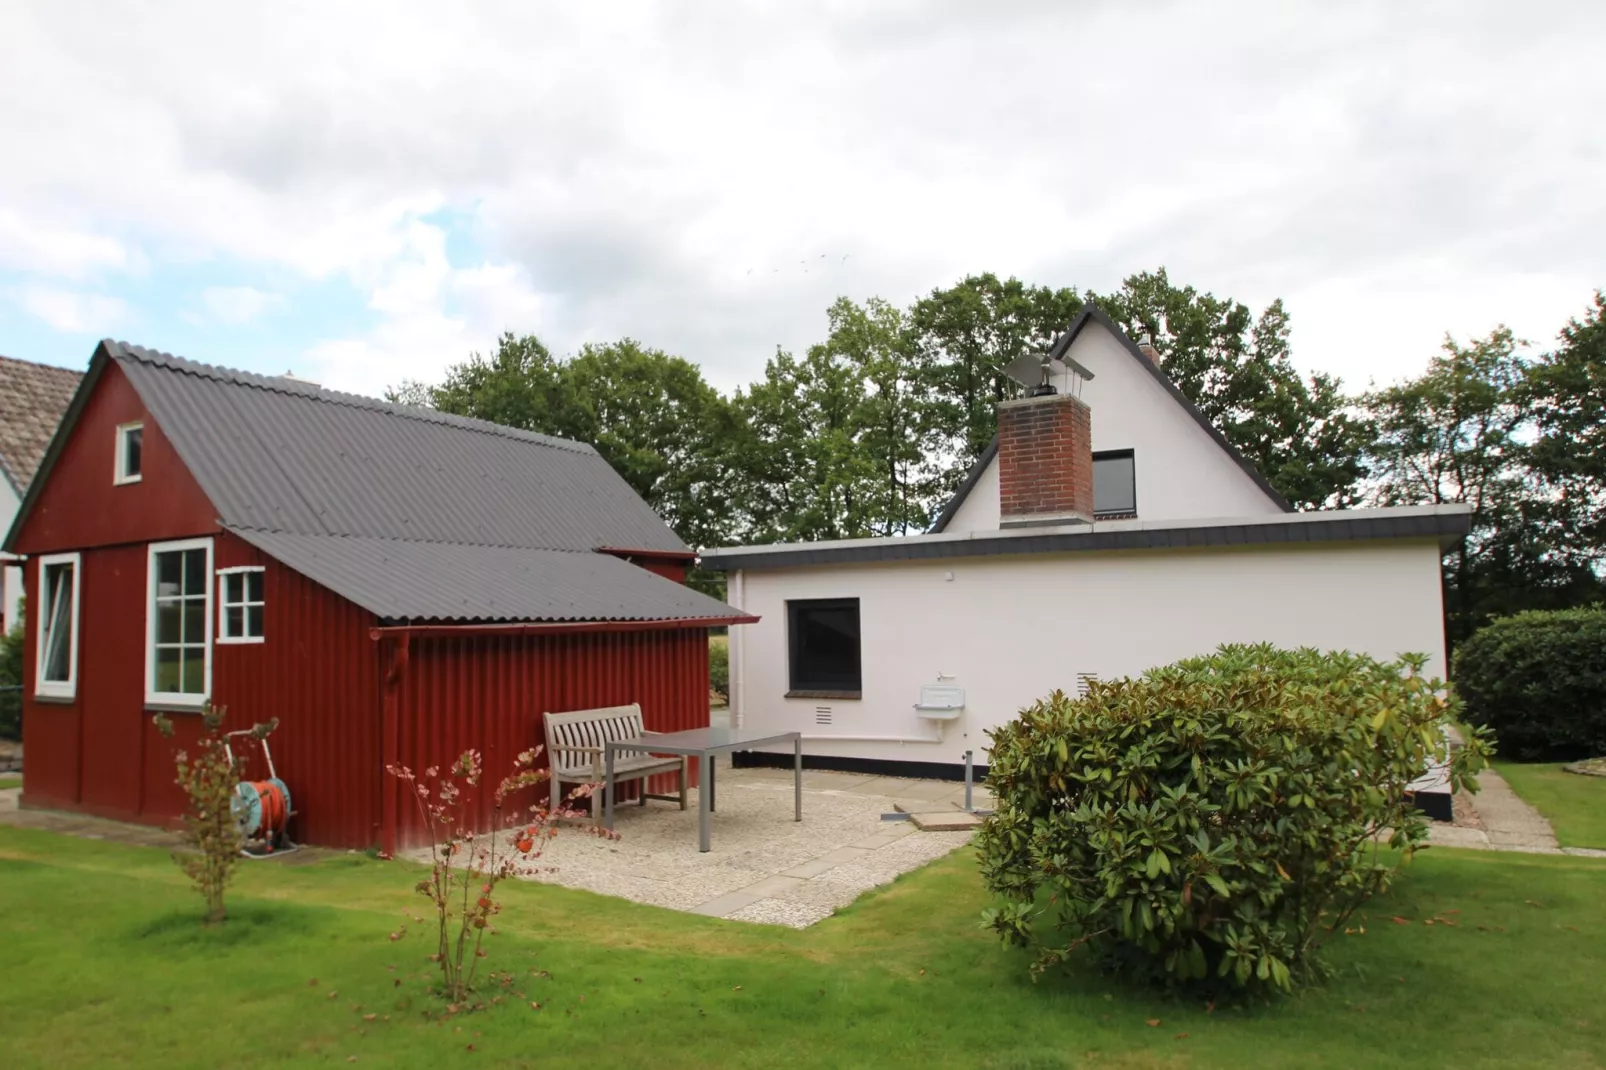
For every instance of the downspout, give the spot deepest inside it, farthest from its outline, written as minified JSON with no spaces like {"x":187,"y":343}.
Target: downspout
{"x":389,"y":729}
{"x":735,"y":591}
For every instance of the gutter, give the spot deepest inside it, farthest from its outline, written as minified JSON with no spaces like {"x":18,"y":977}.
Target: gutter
{"x":584,"y":627}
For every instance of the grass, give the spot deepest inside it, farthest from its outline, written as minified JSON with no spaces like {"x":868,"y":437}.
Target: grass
{"x":9,"y":782}
{"x":1574,"y":804}
{"x":107,"y":965}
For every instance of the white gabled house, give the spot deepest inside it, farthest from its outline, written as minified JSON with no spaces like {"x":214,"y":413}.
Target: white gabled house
{"x":1108,"y":529}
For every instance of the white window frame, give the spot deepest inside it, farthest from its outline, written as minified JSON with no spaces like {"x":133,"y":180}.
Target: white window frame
{"x":119,"y":471}
{"x":182,"y":699}
{"x":68,"y":688}
{"x":223,"y":638}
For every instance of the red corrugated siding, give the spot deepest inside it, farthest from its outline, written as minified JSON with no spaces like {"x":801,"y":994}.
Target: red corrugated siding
{"x":489,"y":693}
{"x":79,"y":506}
{"x":316,"y":672}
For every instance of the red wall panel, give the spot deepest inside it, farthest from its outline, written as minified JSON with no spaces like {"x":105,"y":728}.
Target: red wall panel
{"x":80,"y":507}
{"x":315,"y":671}
{"x":489,"y":692}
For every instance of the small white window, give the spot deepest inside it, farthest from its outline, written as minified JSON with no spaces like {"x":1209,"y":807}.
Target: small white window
{"x":130,"y":447}
{"x":240,"y":605}
{"x":57,"y":675}
{"x":178,"y":627}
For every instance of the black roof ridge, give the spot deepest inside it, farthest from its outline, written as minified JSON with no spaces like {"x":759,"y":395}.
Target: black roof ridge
{"x":239,"y":528}
{"x":302,"y":388}
{"x":1092,"y":313}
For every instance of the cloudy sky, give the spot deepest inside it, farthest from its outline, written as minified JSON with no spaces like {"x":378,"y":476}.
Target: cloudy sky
{"x":364,"y":193}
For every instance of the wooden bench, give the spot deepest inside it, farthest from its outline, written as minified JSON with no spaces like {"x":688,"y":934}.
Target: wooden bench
{"x":575,"y":741}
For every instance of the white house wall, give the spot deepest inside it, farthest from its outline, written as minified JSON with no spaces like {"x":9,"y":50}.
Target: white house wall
{"x":1181,"y":471}
{"x":10,"y":575}
{"x":1012,"y":629}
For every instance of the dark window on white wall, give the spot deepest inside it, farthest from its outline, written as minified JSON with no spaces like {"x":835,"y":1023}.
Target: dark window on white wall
{"x":1115,"y":488}
{"x":823,"y":642}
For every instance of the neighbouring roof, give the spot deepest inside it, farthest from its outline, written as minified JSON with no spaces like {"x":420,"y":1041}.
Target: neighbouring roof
{"x":410,"y":513}
{"x":33,"y":398}
{"x":1447,"y":524}
{"x":1093,"y":314}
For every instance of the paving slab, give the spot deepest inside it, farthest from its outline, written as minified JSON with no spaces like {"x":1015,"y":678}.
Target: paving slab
{"x":945,"y":821}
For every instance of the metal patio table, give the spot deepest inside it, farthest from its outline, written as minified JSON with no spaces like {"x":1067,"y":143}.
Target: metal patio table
{"x":703,"y":744}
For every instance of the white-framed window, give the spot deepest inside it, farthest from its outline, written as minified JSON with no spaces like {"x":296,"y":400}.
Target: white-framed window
{"x":240,"y":604}
{"x":178,"y":623}
{"x":130,"y":452}
{"x":57,"y":670}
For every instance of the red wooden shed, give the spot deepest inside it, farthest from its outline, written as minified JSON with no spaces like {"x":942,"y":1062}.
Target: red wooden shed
{"x":393,"y":584}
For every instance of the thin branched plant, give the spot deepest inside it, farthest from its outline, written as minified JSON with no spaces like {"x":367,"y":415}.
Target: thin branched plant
{"x":466,"y":865}
{"x":212,"y":832}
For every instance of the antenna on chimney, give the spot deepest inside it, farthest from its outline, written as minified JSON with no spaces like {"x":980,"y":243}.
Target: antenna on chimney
{"x":1036,"y":373}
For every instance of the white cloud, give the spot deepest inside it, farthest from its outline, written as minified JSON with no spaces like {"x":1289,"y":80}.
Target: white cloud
{"x":36,"y":247}
{"x":431,"y":313}
{"x":238,"y":304}
{"x":74,"y":312}
{"x":693,"y":177}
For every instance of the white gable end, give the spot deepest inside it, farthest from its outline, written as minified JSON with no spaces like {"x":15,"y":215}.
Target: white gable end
{"x":1180,"y":471}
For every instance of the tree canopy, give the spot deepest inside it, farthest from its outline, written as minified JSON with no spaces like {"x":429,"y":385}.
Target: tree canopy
{"x":869,"y":431}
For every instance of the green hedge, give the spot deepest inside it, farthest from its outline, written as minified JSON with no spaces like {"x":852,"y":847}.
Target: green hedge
{"x":11,"y":684}
{"x":1538,"y":680}
{"x":719,"y":665}
{"x":1212,"y":821}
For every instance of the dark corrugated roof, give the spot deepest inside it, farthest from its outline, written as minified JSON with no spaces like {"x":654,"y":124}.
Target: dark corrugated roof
{"x":282,"y":455}
{"x":33,"y":398}
{"x":1093,"y":314}
{"x":1448,"y":525}
{"x":410,"y":513}
{"x":399,"y":579}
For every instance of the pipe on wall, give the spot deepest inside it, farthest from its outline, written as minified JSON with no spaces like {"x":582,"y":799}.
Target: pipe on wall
{"x":734,"y":645}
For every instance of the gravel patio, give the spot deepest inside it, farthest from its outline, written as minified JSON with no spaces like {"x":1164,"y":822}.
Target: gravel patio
{"x":764,"y":867}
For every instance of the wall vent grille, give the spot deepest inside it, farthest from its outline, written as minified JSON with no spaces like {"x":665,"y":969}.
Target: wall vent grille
{"x":1083,"y":679}
{"x":822,"y":715}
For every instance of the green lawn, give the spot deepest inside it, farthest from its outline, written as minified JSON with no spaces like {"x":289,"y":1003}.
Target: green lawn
{"x":106,"y":965}
{"x":8,"y":782}
{"x":1575,"y":805}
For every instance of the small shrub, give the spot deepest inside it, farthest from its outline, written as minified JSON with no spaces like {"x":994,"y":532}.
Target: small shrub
{"x":466,"y":867}
{"x":1538,"y":680}
{"x":211,"y":828}
{"x":719,"y":666}
{"x":1214,"y":819}
{"x":11,"y":682}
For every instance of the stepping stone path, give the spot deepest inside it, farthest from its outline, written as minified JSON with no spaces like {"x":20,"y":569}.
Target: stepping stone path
{"x":1509,"y":824}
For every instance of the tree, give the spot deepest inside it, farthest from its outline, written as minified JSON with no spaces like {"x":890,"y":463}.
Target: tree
{"x":1453,"y":435}
{"x":650,"y":415}
{"x":1565,"y":395}
{"x":661,"y":426}
{"x":964,"y":337}
{"x":802,"y":472}
{"x":1303,"y":435}
{"x":891,"y":419}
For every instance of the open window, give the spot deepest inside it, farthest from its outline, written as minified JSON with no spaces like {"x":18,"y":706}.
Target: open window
{"x":130,"y":448}
{"x":178,"y":628}
{"x":240,"y":605}
{"x":56,"y":674}
{"x":1115,"y":487}
{"x":823,"y":644}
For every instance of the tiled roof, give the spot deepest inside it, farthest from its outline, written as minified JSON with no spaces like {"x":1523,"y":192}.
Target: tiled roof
{"x":33,"y":398}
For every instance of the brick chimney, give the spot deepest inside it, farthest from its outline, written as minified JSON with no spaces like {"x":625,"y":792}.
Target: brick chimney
{"x":1146,"y":347}
{"x":1045,"y":461}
